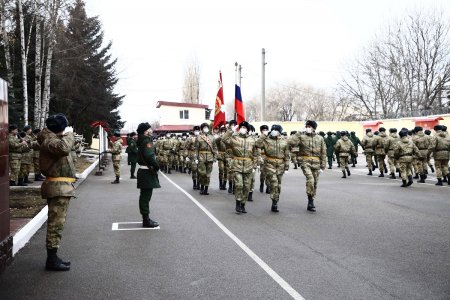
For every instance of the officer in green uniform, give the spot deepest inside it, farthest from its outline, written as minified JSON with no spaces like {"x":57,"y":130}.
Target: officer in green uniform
{"x":147,"y":174}
{"x":116,"y":152}
{"x":404,"y":151}
{"x":329,"y":142}
{"x":132,"y":151}
{"x":344,"y":149}
{"x":16,"y":147}
{"x":57,"y":165}
{"x":356,"y":141}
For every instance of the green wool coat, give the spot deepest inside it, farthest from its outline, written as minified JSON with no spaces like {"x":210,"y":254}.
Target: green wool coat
{"x":132,"y":151}
{"x":147,"y":178}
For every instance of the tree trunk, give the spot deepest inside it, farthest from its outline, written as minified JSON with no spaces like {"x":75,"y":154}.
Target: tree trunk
{"x":46,"y":94}
{"x":38,"y":71}
{"x":6,"y":45}
{"x":24,"y":63}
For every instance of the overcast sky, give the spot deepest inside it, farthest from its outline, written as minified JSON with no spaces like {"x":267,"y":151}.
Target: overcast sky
{"x":306,"y":41}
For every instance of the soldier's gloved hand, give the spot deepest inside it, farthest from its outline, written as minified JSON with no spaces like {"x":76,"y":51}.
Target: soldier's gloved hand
{"x":196,"y":161}
{"x":187,"y":159}
{"x":254,"y":170}
{"x":68,"y":129}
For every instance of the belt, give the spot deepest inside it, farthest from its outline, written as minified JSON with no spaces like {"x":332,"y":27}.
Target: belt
{"x":242,"y":158}
{"x":60,"y":179}
{"x":205,"y":152}
{"x":275,"y":159}
{"x":311,"y":157}
{"x":221,"y":152}
{"x":144,"y":167}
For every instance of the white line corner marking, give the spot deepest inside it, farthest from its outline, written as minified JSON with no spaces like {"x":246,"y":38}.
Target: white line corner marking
{"x":115,"y":226}
{"x":278,"y":279}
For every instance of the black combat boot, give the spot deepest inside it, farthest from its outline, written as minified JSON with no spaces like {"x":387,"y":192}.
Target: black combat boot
{"x":392,"y":176}
{"x":38,"y":177}
{"x":116,"y":181}
{"x":370,"y":173}
{"x":201,"y":190}
{"x":295,"y":166}
{"x":26,"y":180}
{"x":329,"y":167}
{"x":381,"y":174}
{"x":344,"y":174}
{"x":243,"y":208}
{"x":267,"y":189}
{"x":224,"y":185}
{"x":348,"y":172}
{"x":410,"y":180}
{"x":404,"y":184}
{"x":132,"y":176}
{"x":12,"y":183}
{"x":194,"y":184}
{"x":444,"y":179}
{"x":261,"y":187}
{"x":54,"y":263}
{"x":274,"y":207}
{"x":416,"y":176}
{"x":311,"y":206}
{"x":250,"y":196}
{"x":205,"y":190}
{"x":148,"y":223}
{"x":432,"y":169}
{"x":439,"y":182}
{"x":189,"y":171}
{"x":422,"y":178}
{"x":230,"y":187}
{"x":21,"y":183}
{"x":169,"y":170}
{"x":238,"y":206}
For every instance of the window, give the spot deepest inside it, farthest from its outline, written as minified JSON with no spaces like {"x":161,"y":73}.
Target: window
{"x":184,"y":114}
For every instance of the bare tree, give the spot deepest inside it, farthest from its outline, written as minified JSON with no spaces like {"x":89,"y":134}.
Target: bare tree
{"x":252,"y":109}
{"x":191,"y":89}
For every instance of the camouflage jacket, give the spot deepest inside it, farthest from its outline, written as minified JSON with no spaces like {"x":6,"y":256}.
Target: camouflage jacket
{"x":168,"y":145}
{"x":56,"y":164}
{"x":116,"y":150}
{"x":405,"y":149}
{"x":440,"y":146}
{"x":276,"y":151}
{"x":392,"y":140}
{"x":422,"y":141}
{"x":379,"y":142}
{"x":312,"y":149}
{"x":27,"y":155}
{"x":132,"y":150}
{"x":244,"y":151}
{"x":221,"y":148}
{"x":368,"y":143}
{"x":206,"y":148}
{"x":16,"y":147}
{"x":344,"y":147}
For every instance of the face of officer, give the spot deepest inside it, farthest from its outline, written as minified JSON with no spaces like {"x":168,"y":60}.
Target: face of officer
{"x":205,"y":129}
{"x":148,"y":132}
{"x":308,"y":129}
{"x":243,"y":130}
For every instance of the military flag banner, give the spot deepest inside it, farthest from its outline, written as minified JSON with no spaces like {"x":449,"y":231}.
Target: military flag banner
{"x":219,"y":112}
{"x":238,"y":105}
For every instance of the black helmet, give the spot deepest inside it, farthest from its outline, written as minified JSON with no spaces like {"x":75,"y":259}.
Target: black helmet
{"x":203,"y":125}
{"x":403,"y":133}
{"x":382,"y":129}
{"x":393,"y":130}
{"x":368,"y":130}
{"x":418,"y":128}
{"x":196,"y":128}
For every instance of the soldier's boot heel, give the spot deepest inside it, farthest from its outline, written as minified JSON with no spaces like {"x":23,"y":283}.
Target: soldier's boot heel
{"x":230,"y":187}
{"x":116,"y":181}
{"x":295,"y":166}
{"x":274,"y":207}
{"x":416,"y":176}
{"x":344,"y":174}
{"x":54,"y":263}
{"x":410,"y":180}
{"x":194,"y":186}
{"x":404,"y":184}
{"x":250,"y":196}
{"x":392,"y":176}
{"x":422,"y":179}
{"x":432,"y":169}
{"x":348,"y":172}
{"x":238,"y":206}
{"x":381,"y":174}
{"x":169,"y":171}
{"x":243,"y":208}
{"x":205,"y":190}
{"x":148,"y":223}
{"x":439,"y":182}
{"x":444,"y":179}
{"x":267,"y":189}
{"x":261,"y":187}
{"x":201,"y":189}
{"x":370,"y":173}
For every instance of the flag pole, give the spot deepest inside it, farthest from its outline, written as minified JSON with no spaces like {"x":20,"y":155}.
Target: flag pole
{"x":236,"y":81}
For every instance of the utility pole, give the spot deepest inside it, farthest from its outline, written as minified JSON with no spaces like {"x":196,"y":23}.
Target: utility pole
{"x":263,"y":86}
{"x":238,"y":71}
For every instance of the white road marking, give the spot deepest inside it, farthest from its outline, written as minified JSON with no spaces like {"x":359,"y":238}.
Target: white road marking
{"x":277,"y":278}
{"x":115,"y":226}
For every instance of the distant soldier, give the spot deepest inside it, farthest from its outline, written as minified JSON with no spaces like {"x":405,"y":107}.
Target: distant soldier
{"x":440,"y":148}
{"x":191,"y":146}
{"x":147,"y":174}
{"x":336,"y":138}
{"x":182,"y":153}
{"x":173,"y":152}
{"x":116,"y":151}
{"x":221,"y":159}
{"x":368,"y":146}
{"x":168,"y":147}
{"x":252,"y":135}
{"x":392,"y":140}
{"x":380,"y":153}
{"x":27,"y":155}
{"x":126,"y":150}
{"x":403,"y":152}
{"x":344,"y":149}
{"x":232,"y":124}
{"x":264,"y":129}
{"x":330,"y":142}
{"x":356,"y":141}
{"x":313,"y":159}
{"x":276,"y":161}
{"x":422,"y":142}
{"x":37,"y":171}
{"x":245,"y":155}
{"x":294,"y":152}
{"x":132,"y":153}
{"x":205,"y":157}
{"x":428,"y":132}
{"x":16,"y":147}
{"x":57,"y":165}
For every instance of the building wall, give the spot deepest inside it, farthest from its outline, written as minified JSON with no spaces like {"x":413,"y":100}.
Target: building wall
{"x":5,"y":238}
{"x":170,"y":115}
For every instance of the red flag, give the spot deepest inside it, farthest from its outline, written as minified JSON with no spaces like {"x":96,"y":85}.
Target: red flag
{"x":238,"y":105}
{"x":219,"y":112}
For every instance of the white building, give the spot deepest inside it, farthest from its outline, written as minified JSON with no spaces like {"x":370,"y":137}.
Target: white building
{"x":181,"y":117}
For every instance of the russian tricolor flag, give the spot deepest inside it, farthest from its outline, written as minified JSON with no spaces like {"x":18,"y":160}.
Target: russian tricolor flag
{"x":238,"y":105}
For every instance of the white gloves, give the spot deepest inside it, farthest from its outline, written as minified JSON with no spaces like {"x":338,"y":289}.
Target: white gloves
{"x":68,"y":129}
{"x":187,"y":159}
{"x":196,"y":161}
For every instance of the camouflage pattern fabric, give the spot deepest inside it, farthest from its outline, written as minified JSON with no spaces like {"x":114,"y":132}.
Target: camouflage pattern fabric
{"x":57,"y":212}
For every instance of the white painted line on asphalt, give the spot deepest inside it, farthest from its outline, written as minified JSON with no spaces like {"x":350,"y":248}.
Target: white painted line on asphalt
{"x":277,"y":278}
{"x":115,"y":226}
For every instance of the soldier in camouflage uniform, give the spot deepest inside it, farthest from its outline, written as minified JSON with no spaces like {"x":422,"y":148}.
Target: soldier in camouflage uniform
{"x":440,"y":148}
{"x":57,"y":166}
{"x":173,"y":152}
{"x":368,"y":146}
{"x":393,"y":139}
{"x":132,"y":153}
{"x":168,"y":147}
{"x":221,"y":159}
{"x":276,"y":161}
{"x":264,"y":129}
{"x":27,"y":155}
{"x":344,"y":148}
{"x":182,"y":153}
{"x":205,"y":156}
{"x":147,"y":174}
{"x":403,"y":152}
{"x":245,"y":155}
{"x":191,"y":146}
{"x":232,"y":124}
{"x":294,"y":152}
{"x":422,"y":142}
{"x":428,"y":133}
{"x":37,"y":171}
{"x":330,"y":142}
{"x":16,"y":147}
{"x":252,"y":135}
{"x":116,"y":152}
{"x":313,"y":153}
{"x":380,"y":154}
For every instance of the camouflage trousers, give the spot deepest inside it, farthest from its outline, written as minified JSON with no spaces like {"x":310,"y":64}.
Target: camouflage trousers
{"x":223,"y":170}
{"x":25,"y":170}
{"x":429,"y":162}
{"x":116,"y":165}
{"x":393,"y":165}
{"x":274,"y":181}
{"x":229,"y":171}
{"x":405,"y":169}
{"x":381,"y":163}
{"x":37,"y":169}
{"x":14,"y":167}
{"x":204,"y":172}
{"x":344,"y":162}
{"x":194,"y":170}
{"x":312,"y":178}
{"x":441,"y":167}
{"x":144,"y":201}
{"x":421,"y":166}
{"x":57,"y":211}
{"x":167,"y":160}
{"x":242,"y":183}
{"x":369,"y":161}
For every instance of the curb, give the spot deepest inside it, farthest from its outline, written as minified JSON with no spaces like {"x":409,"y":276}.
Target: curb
{"x":21,"y":238}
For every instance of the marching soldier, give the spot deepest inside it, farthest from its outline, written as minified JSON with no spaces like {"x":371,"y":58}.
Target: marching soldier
{"x":329,"y":142}
{"x":221,"y":159}
{"x":37,"y":171}
{"x":368,"y":145}
{"x":57,"y":165}
{"x":276,"y":161}
{"x":232,"y":124}
{"x":356,"y":141}
{"x":245,"y":155}
{"x":16,"y":147}
{"x":393,"y":139}
{"x":27,"y":155}
{"x":380,"y":154}
{"x":440,"y":148}
{"x":132,"y":153}
{"x":205,"y":157}
{"x":147,"y":174}
{"x":294,"y":152}
{"x":403,"y":152}
{"x":313,"y":154}
{"x":422,"y":142}
{"x":191,"y":146}
{"x":264,"y":129}
{"x":168,"y":147}
{"x":116,"y":152}
{"x":428,"y":132}
{"x":182,"y":153}
{"x":344,"y":149}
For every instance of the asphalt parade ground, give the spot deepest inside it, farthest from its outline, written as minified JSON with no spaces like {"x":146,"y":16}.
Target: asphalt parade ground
{"x":369,"y":239}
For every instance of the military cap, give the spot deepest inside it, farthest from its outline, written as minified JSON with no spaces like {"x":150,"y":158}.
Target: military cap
{"x":116,"y":133}
{"x":368,"y":130}
{"x":56,"y":123}
{"x":329,"y":133}
{"x":293,"y":132}
{"x":417,"y":129}
{"x":392,"y":130}
{"x":343,"y":133}
{"x":132,"y":134}
{"x":382,"y":129}
{"x":277,"y":128}
{"x":12,"y":127}
{"x":252,"y":128}
{"x":203,"y":125}
{"x":376,"y":133}
{"x":263,"y":127}
{"x":36,"y":130}
{"x":410,"y":132}
{"x":26,"y":128}
{"x":352,"y":133}
{"x":321,"y":133}
{"x":311,"y":123}
{"x":427,"y":132}
{"x":245,"y":124}
{"x":403,"y":133}
{"x":196,"y":128}
{"x":143,"y":127}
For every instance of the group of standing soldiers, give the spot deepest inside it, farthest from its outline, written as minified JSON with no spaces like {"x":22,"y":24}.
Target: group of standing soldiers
{"x":240,"y":153}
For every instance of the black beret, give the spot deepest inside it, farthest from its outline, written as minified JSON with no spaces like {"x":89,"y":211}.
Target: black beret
{"x":382,"y":129}
{"x":277,"y":128}
{"x":56,"y":123}
{"x":322,"y":133}
{"x":311,"y":123}
{"x":26,"y":128}
{"x":252,"y":128}
{"x":263,"y":127}
{"x":438,"y":127}
{"x":352,"y":133}
{"x":12,"y":127}
{"x":343,"y":133}
{"x":329,"y":133}
{"x":403,"y":133}
{"x":143,"y":127}
{"x":368,"y":130}
{"x":204,"y":125}
{"x":392,"y":130}
{"x":293,"y":132}
{"x":245,"y":124}
{"x":376,"y":133}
